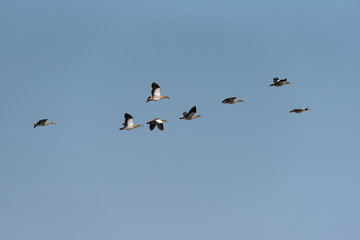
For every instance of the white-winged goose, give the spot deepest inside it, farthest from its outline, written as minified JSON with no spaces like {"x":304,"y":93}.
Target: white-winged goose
{"x":300,"y":110}
{"x":191,"y":114}
{"x":43,"y":122}
{"x":279,"y":83}
{"x":129,"y":123}
{"x":155,"y":93}
{"x":231,"y":100}
{"x":157,"y":122}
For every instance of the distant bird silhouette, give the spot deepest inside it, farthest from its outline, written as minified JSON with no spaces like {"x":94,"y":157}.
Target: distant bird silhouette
{"x":156,"y":122}
{"x":191,"y":114}
{"x":43,"y":122}
{"x":279,"y":83}
{"x":155,"y":93}
{"x":300,"y":110}
{"x":231,"y":100}
{"x":129,"y":123}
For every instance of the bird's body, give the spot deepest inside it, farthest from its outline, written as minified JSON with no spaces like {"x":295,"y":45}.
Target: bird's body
{"x":155,"y":93}
{"x":279,"y":83}
{"x":129,"y":123}
{"x":300,"y":110}
{"x":156,"y":122}
{"x":231,"y":100}
{"x":191,"y":114}
{"x":43,"y":122}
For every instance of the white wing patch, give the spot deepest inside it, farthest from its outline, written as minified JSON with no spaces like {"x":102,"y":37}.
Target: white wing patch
{"x":158,"y":121}
{"x":130,"y":122}
{"x":157,"y":92}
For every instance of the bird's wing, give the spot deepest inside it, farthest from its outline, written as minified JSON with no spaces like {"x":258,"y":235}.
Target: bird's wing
{"x":156,"y":92}
{"x":152,"y":126}
{"x":155,"y":89}
{"x":42,"y":121}
{"x":192,"y":112}
{"x":129,"y":120}
{"x":283,"y":80}
{"x":160,"y":126}
{"x":231,"y":99}
{"x":155,"y":85}
{"x":127,"y":116}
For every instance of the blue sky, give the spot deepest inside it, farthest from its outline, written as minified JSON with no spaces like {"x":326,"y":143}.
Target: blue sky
{"x":246,"y":171}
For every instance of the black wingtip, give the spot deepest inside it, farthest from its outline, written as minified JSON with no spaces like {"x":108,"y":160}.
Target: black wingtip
{"x":155,"y":85}
{"x":193,"y":109}
{"x":127,"y":116}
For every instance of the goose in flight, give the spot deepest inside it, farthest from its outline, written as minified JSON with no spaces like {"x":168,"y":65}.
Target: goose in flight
{"x":231,"y":100}
{"x":157,"y":122}
{"x":129,"y":123}
{"x":43,"y":122}
{"x":279,"y":83}
{"x":155,"y":93}
{"x":191,"y":114}
{"x":300,"y":110}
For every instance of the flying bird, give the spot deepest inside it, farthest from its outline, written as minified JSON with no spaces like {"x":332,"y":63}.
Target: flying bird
{"x":279,"y":83}
{"x":231,"y":100}
{"x":155,"y":93}
{"x":300,"y":110}
{"x":157,"y":122}
{"x":129,"y":123}
{"x":191,"y":114}
{"x":43,"y":122}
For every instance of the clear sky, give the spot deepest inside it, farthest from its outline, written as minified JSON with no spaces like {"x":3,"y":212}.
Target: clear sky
{"x":246,"y":171}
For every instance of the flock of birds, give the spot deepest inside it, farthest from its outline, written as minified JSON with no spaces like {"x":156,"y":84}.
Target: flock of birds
{"x":158,"y":122}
